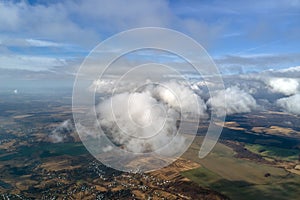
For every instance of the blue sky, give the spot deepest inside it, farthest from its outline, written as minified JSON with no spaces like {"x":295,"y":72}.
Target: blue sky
{"x":54,"y":36}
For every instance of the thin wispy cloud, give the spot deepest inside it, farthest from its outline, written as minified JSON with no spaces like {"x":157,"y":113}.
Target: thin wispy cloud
{"x":231,"y":31}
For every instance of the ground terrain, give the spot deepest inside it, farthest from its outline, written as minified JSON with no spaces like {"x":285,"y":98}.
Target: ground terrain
{"x":257,"y":157}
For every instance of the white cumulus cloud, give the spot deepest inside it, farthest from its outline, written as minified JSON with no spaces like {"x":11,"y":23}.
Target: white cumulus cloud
{"x":287,"y":86}
{"x":237,"y":101}
{"x":153,"y":113}
{"x":290,"y":104}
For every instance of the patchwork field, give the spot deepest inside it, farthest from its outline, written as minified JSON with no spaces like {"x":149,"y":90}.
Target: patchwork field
{"x":240,"y":178}
{"x":275,"y":152}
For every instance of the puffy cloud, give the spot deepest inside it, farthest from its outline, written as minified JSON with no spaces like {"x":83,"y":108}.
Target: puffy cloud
{"x":237,"y":101}
{"x":290,"y":104}
{"x":61,"y":132}
{"x":180,"y":97}
{"x":102,"y":85}
{"x":152,"y":114}
{"x":287,"y":86}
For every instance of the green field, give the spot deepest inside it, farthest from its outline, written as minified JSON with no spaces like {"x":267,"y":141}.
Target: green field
{"x":287,"y":188}
{"x":44,"y":150}
{"x":274,"y":152}
{"x":241,"y":179}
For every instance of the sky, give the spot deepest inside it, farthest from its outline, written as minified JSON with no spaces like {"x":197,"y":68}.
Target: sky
{"x":47,"y":40}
